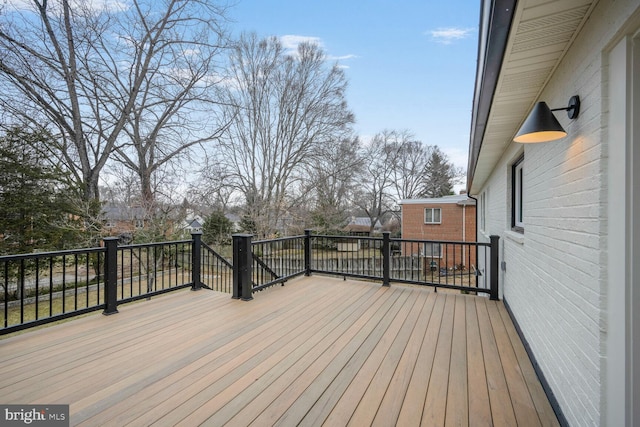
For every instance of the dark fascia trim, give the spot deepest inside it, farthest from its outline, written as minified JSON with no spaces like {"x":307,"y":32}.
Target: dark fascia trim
{"x":496,"y":17}
{"x":543,"y":381}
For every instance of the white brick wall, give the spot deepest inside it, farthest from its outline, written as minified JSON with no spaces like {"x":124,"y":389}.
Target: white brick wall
{"x":555,"y":278}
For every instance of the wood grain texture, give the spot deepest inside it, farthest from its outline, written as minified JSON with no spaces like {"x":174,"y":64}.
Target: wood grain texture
{"x":317,"y":351}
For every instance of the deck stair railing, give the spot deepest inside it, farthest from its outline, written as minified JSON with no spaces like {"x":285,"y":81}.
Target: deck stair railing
{"x":216,"y":271}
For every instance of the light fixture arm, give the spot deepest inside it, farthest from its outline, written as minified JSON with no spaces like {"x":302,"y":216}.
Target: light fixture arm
{"x":573,"y":109}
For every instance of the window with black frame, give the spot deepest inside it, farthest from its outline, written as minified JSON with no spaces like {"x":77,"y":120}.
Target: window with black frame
{"x":517,"y":195}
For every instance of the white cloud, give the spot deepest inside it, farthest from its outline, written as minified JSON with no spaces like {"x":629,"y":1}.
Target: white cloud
{"x":341,"y":58}
{"x":291,"y":42}
{"x":451,"y":34}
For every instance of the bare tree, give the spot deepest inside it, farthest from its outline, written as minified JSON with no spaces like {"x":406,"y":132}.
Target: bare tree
{"x":331,"y":185}
{"x":409,"y":166}
{"x":213,"y":187}
{"x":82,"y":70}
{"x":159,"y":220}
{"x":176,"y":106}
{"x":283,"y":106}
{"x":380,"y":157}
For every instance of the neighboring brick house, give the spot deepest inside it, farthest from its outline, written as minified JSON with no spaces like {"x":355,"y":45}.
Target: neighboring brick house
{"x":443,"y":219}
{"x":123,"y":221}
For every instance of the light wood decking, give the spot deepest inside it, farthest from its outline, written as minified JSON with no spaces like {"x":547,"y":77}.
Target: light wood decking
{"x":317,"y":351}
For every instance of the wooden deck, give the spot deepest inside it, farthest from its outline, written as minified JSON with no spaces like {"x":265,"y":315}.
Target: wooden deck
{"x":319,"y":351}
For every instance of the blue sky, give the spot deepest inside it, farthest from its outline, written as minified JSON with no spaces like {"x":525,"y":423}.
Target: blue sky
{"x":410,"y":63}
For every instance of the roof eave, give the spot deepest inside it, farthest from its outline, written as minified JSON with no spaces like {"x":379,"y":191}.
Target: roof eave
{"x":496,"y":18}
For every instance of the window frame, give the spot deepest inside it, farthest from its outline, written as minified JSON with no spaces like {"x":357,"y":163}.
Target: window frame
{"x":432,"y":216}
{"x":432,"y":245}
{"x":483,"y":211}
{"x":517,"y":195}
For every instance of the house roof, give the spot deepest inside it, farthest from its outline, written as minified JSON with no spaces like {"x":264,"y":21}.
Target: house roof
{"x":521,"y":44}
{"x":360,"y":220}
{"x":122,"y":213}
{"x":459,"y":199}
{"x":360,"y":223}
{"x":195,"y":223}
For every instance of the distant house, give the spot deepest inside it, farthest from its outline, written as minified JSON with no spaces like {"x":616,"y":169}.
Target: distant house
{"x":193,"y":225}
{"x":123,"y":221}
{"x":361,"y":226}
{"x":442,"y":219}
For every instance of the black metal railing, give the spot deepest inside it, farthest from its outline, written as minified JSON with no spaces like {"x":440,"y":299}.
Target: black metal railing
{"x":216,"y":272}
{"x":146,"y":270}
{"x":45,"y":287}
{"x":442,"y":264}
{"x":470,"y":267}
{"x":352,"y":256}
{"x":50,"y":285}
{"x":276,"y":261}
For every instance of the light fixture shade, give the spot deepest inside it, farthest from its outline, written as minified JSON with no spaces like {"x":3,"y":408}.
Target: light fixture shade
{"x":540,"y":126}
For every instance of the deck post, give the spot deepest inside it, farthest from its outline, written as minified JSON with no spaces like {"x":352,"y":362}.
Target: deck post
{"x":110,"y":276}
{"x":307,"y":252}
{"x":242,"y":267}
{"x":196,"y":259}
{"x":386,"y":258}
{"x":494,"y":268}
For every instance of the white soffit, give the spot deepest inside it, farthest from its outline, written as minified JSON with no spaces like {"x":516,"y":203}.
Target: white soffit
{"x":541,"y":34}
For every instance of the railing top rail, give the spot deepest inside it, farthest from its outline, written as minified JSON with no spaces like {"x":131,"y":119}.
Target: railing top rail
{"x":146,"y":245}
{"x":401,"y":240}
{"x":456,"y":242}
{"x":326,"y":236}
{"x":34,"y":255}
{"x":279,"y":239}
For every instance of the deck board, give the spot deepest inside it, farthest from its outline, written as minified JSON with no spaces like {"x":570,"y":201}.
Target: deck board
{"x":479,"y":405}
{"x":413,"y":403}
{"x":389,"y":409}
{"x":502,"y":414}
{"x":436,"y":402}
{"x":457,"y":407}
{"x":318,"y":351}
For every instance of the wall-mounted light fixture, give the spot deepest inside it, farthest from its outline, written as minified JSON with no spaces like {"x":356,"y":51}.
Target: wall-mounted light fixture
{"x":542,"y":126}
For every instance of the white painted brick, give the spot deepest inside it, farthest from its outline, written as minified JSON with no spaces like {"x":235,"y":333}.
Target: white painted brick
{"x":555,"y":281}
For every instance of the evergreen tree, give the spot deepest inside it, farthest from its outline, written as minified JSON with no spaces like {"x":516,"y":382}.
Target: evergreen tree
{"x":247,"y":224}
{"x":217,"y":229}
{"x":35,"y":199}
{"x":439,"y":175}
